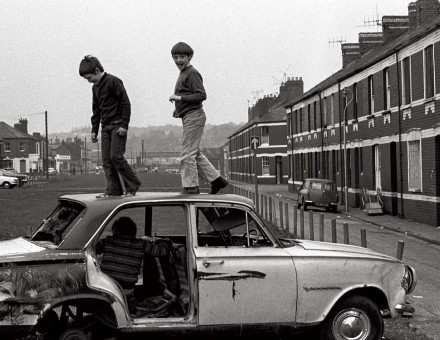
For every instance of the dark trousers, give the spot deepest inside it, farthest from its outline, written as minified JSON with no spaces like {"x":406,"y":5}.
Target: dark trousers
{"x":115,"y":164}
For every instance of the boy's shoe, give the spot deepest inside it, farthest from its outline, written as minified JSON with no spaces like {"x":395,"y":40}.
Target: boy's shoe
{"x":190,"y":191}
{"x":218,"y":184}
{"x":106,"y":196}
{"x":129,"y":194}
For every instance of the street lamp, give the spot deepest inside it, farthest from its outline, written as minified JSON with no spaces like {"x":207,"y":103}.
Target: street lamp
{"x":345,"y":92}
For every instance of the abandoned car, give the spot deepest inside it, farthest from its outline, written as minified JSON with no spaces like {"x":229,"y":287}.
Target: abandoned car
{"x":223,"y":270}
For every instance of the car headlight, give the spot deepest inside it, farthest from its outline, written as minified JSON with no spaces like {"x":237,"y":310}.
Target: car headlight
{"x":409,"y":280}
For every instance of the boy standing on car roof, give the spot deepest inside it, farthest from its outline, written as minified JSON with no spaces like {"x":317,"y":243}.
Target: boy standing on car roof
{"x":188,"y":97}
{"x":111,"y":107}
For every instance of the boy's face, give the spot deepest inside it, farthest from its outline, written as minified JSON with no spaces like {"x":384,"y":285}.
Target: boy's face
{"x":182,"y":61}
{"x":93,"y":78}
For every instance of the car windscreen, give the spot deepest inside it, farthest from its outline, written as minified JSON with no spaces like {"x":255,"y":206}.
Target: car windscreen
{"x":54,"y":228}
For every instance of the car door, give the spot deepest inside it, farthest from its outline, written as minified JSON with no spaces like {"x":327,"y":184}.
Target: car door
{"x":244,"y":283}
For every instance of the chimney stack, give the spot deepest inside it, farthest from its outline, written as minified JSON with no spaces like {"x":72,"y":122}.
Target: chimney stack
{"x":350,"y":53}
{"x":422,"y":11}
{"x":369,"y":41}
{"x":394,"y":25}
{"x":22,"y":125}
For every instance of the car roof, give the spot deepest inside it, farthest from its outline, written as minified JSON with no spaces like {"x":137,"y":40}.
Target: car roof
{"x":90,"y":199}
{"x":99,"y":208}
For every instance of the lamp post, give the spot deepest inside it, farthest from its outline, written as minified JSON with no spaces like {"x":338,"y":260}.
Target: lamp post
{"x":345,"y":92}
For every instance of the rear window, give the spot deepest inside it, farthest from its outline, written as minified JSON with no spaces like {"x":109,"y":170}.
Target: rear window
{"x":55,"y":228}
{"x":316,"y":186}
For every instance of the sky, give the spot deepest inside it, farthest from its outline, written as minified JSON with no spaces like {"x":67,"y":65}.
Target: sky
{"x":243,"y":49}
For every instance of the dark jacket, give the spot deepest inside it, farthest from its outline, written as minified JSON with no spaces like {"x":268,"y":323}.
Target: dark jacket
{"x":110,"y":103}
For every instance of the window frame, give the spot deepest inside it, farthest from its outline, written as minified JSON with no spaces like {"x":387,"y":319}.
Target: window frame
{"x":428,"y":72}
{"x":265,"y":166}
{"x":415,"y":137}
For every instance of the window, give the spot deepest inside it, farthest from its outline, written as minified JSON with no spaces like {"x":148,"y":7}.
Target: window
{"x":314,"y":116}
{"x":414,"y":166}
{"x":264,"y":135}
{"x":296,"y":121}
{"x":308,"y":118}
{"x":355,"y":101}
{"x":300,"y":120}
{"x":386,"y":89}
{"x":7,"y":146}
{"x":429,"y":72}
{"x":38,"y":148}
{"x":370,"y":95}
{"x":22,"y":148}
{"x":406,"y":81}
{"x":324,"y":114}
{"x":332,"y":109}
{"x":266,"y":166}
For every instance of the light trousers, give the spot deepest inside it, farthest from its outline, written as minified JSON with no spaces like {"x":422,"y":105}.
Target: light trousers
{"x":192,"y":161}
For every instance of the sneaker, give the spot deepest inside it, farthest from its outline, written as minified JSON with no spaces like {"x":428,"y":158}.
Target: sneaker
{"x":106,"y":196}
{"x":218,"y":184}
{"x":190,"y":191}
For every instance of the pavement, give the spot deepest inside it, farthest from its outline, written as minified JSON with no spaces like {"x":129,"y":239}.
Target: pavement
{"x":425,"y":232}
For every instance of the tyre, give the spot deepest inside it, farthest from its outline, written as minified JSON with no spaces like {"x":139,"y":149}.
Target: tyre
{"x":334,"y":208}
{"x":6,"y":185}
{"x":354,"y":317}
{"x":73,"y":334}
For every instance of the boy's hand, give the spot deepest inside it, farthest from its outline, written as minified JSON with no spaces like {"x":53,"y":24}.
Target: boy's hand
{"x":94,"y":138}
{"x":175,"y":98}
{"x":121,"y":131}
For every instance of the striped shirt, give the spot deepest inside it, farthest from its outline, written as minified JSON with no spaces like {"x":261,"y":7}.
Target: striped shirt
{"x":123,"y":255}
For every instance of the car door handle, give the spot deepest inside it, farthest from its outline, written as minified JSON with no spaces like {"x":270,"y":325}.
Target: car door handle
{"x":207,"y":263}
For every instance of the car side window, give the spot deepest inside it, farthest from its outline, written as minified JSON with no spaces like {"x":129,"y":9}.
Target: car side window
{"x":229,"y":227}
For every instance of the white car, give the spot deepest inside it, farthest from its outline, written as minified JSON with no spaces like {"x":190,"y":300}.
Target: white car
{"x":8,"y":182}
{"x":222,"y":271}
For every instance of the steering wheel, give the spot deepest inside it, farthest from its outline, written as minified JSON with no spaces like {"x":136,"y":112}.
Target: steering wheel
{"x":242,"y":240}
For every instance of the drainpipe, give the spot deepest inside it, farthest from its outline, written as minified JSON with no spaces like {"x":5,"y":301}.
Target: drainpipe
{"x":400,"y":133}
{"x":340,"y":144}
{"x":323,"y":173}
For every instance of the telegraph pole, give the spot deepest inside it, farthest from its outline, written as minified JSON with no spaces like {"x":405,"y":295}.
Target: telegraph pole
{"x":46,"y":165}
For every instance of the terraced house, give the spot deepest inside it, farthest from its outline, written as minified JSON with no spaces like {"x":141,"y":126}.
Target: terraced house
{"x":267,"y":121}
{"x":381,"y":110}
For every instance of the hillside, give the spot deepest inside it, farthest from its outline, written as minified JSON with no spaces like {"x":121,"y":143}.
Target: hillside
{"x":159,"y":138}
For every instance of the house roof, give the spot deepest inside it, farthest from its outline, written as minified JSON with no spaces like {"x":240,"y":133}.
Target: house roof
{"x":276,"y":113}
{"x":8,"y":132}
{"x":370,"y":58}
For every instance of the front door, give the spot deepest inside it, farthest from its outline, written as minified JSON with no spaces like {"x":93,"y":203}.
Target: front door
{"x":279,"y":169}
{"x":244,"y":283}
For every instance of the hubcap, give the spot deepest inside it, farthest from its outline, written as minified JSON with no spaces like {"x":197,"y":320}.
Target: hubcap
{"x":351,"y":324}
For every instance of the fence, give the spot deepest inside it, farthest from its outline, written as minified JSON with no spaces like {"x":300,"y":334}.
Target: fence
{"x":41,"y":180}
{"x":285,"y":215}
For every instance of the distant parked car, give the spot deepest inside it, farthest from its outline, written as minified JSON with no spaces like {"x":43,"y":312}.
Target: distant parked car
{"x":22,"y":178}
{"x":8,"y":182}
{"x":319,"y":193}
{"x":51,"y":171}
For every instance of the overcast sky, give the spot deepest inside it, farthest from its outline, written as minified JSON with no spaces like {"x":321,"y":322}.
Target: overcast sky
{"x":241,"y":47}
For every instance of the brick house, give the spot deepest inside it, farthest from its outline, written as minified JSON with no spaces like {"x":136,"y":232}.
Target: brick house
{"x":20,"y":150}
{"x":266,"y":120}
{"x":389,"y":96}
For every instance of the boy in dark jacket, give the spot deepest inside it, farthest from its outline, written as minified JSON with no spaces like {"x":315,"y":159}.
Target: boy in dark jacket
{"x":111,"y":107}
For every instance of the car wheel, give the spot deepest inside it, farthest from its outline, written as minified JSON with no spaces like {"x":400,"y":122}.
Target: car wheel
{"x":335,"y":208}
{"x":304,"y":204}
{"x":354,"y":317}
{"x":6,"y":185}
{"x":73,"y":334}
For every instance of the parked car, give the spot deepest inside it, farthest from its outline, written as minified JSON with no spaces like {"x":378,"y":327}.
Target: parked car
{"x":226,"y":273}
{"x":319,"y":193}
{"x":22,"y":178}
{"x":51,"y":171}
{"x":8,"y":182}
